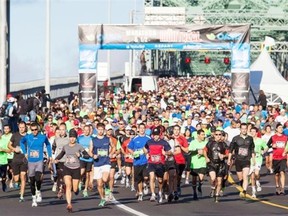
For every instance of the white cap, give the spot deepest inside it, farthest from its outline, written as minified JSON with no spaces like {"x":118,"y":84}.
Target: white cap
{"x":139,"y":121}
{"x":108,"y":127}
{"x":128,"y":128}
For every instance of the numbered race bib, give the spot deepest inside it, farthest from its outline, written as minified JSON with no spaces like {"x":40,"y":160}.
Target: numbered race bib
{"x":215,"y":155}
{"x":243,"y":152}
{"x":103,"y":152}
{"x":280,"y":144}
{"x":71,"y":159}
{"x":155,"y":158}
{"x":34,"y":154}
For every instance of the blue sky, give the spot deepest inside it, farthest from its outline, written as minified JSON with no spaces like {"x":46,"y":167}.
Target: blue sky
{"x":27,"y":35}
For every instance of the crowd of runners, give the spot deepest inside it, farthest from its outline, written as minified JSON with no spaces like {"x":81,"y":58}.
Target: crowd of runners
{"x":152,"y":142}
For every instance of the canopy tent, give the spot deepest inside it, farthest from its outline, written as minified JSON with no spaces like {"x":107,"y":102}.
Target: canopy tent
{"x":265,"y":76}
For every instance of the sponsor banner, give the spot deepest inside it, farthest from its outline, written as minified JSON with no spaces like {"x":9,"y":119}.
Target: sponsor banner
{"x":240,"y":86}
{"x":129,"y":34}
{"x":168,"y":46}
{"x":87,"y":58}
{"x":88,"y":99}
{"x":240,"y":96}
{"x":240,"y":56}
{"x":87,"y":82}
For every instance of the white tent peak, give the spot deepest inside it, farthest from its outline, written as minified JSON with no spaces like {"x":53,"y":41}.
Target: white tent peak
{"x":265,"y":76}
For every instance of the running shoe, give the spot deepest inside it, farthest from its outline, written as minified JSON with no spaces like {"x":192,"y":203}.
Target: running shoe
{"x":199,"y":188}
{"x":153,"y":198}
{"x":111,"y":197}
{"x":258,"y":186}
{"x":183,"y":175}
{"x":38,"y":196}
{"x":21,"y":199}
{"x":132,"y":188}
{"x":176,"y":196}
{"x":160,"y":197}
{"x":216,"y":198}
{"x":242,"y":194}
{"x":282,"y":191}
{"x":69,"y":208}
{"x":140,"y":197}
{"x":34,"y":201}
{"x":170,"y":197}
{"x":80,"y":186}
{"x":85,"y":193}
{"x":253,"y":195}
{"x":195,"y":197}
{"x":278,"y":190}
{"x":145,"y":190}
{"x":60,"y":194}
{"x":123,"y":180}
{"x":16,"y":185}
{"x":4,"y":186}
{"x":11,"y":184}
{"x":102,"y":203}
{"x":54,"y":188}
{"x":212,"y":193}
{"x":187,"y":182}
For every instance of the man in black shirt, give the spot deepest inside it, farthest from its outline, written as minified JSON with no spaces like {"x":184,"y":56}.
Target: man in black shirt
{"x":242,"y":146}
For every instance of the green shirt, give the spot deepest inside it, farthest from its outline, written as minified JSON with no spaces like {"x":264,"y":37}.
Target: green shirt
{"x":4,"y":141}
{"x":197,"y":161}
{"x":260,"y":145}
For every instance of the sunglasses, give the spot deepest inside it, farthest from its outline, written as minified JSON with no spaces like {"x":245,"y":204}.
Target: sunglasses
{"x":218,"y":134}
{"x":34,"y":129}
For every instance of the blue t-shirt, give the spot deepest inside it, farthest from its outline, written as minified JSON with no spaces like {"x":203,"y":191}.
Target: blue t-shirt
{"x":136,"y":145}
{"x":34,"y":147}
{"x":85,"y":142}
{"x":101,"y":148}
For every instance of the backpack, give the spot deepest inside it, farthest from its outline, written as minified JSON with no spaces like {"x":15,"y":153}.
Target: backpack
{"x":30,"y":103}
{"x":3,"y":109}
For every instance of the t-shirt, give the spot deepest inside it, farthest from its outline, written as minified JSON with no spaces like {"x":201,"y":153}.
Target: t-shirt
{"x":136,"y":145}
{"x":243,"y":147}
{"x":101,"y":149}
{"x":278,"y":143}
{"x":179,"y":158}
{"x":58,"y":144}
{"x":260,"y":145}
{"x":15,"y":140}
{"x":72,"y":161}
{"x":197,"y":161}
{"x":155,"y":149}
{"x":3,"y":155}
{"x":128,"y":156}
{"x":5,"y":139}
{"x":84,"y":141}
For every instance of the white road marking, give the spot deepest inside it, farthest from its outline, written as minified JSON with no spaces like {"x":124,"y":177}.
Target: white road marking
{"x":128,"y":209}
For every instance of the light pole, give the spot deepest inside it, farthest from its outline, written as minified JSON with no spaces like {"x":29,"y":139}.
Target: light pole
{"x":47,"y":49}
{"x":108,"y":51}
{"x":3,"y":48}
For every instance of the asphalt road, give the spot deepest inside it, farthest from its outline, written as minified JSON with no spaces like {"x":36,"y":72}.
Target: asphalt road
{"x":126,"y":204}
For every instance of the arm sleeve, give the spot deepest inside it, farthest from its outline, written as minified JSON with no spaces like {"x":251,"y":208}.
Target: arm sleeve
{"x":269,"y":143}
{"x":61,"y":154}
{"x":232,"y":145}
{"x":48,"y":146}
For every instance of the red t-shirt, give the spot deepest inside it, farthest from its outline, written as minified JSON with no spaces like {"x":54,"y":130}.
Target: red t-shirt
{"x":125,"y":149}
{"x":179,"y":158}
{"x":278,"y":144}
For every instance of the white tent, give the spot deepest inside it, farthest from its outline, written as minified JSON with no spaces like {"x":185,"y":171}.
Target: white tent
{"x":265,"y":76}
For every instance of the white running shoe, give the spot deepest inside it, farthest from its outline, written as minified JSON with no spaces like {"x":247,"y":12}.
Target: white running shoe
{"x":153,"y":198}
{"x":54,"y":188}
{"x":183,"y":175}
{"x":38,"y":196}
{"x":123,"y":180}
{"x":253,"y":195}
{"x":258,"y":186}
{"x":132,"y":188}
{"x":160,"y":197}
{"x":34,"y":202}
{"x":145,"y":189}
{"x":140,"y":197}
{"x":11,"y":184}
{"x":187,"y":182}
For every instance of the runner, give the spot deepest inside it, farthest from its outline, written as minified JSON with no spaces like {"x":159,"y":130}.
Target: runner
{"x":136,"y":147}
{"x":101,"y":150}
{"x":86,"y":164}
{"x":279,"y":142}
{"x":32,"y":146}
{"x":215,"y":153}
{"x":71,"y":169}
{"x":243,"y":146}
{"x":198,"y":162}
{"x":4,"y":150}
{"x":19,"y":162}
{"x":260,"y":149}
{"x":156,"y":149}
{"x":57,"y":147}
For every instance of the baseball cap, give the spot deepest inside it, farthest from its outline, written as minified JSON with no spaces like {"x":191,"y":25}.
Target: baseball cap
{"x":108,"y":127}
{"x":156,"y":131}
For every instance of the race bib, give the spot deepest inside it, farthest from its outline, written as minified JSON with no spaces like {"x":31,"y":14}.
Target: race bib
{"x":71,"y":159}
{"x":243,"y":152}
{"x":34,"y":154}
{"x":280,"y":144}
{"x":103,"y":152}
{"x":215,"y":155}
{"x":155,"y":158}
